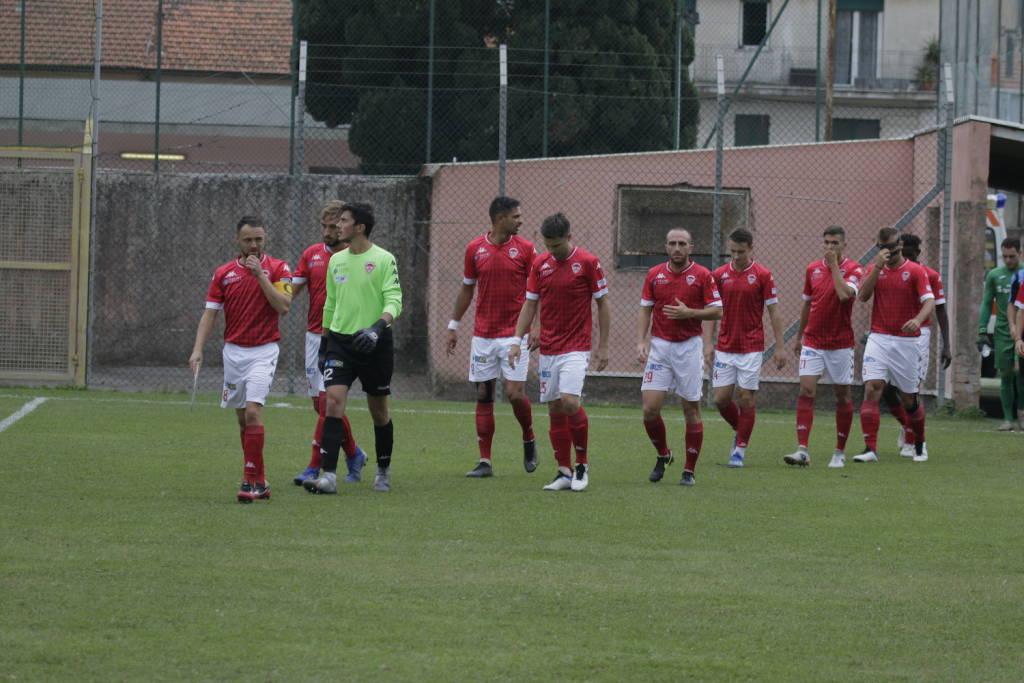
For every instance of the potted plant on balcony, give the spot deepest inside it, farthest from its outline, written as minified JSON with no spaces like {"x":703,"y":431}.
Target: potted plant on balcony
{"x":928,"y":71}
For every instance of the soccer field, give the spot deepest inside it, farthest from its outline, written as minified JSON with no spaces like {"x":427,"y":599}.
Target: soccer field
{"x":124,"y":556}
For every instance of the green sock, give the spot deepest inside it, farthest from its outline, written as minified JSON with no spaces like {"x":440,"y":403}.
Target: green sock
{"x":1020,"y":392}
{"x":1009,"y":384}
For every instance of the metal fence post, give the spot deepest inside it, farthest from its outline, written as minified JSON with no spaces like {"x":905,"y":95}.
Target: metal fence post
{"x":716,"y":216}
{"x":946,"y":173}
{"x":502,"y":115}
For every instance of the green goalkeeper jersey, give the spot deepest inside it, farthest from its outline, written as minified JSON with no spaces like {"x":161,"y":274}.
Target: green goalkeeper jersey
{"x":361,"y":288}
{"x":997,"y":288}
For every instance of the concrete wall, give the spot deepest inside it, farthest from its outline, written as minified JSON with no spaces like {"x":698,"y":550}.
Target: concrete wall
{"x":158,"y":240}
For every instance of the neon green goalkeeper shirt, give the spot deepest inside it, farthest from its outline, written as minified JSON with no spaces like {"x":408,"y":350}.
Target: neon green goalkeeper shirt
{"x":361,"y":288}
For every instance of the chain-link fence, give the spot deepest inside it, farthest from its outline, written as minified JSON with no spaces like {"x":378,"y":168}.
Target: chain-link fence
{"x":206,"y":112}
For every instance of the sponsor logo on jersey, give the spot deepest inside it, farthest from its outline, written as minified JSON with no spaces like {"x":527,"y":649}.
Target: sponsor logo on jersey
{"x":482,"y":250}
{"x":370,"y":266}
{"x":340,"y":279}
{"x":690,"y":279}
{"x":661,"y":276}
{"x":513,"y":252}
{"x":317,"y":257}
{"x":576,"y":268}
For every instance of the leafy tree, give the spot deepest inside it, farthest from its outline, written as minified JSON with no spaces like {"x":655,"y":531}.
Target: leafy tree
{"x":611,"y":77}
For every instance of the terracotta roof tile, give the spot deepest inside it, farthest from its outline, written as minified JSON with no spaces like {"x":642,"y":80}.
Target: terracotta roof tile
{"x":252,"y":36}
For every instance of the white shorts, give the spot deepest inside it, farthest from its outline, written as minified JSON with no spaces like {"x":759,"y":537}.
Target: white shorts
{"x":924,"y":347}
{"x":489,"y":357}
{"x":675,"y":365}
{"x":562,"y":374}
{"x":314,"y":380}
{"x":896,"y":360}
{"x":743,"y":369}
{"x":834,"y":366}
{"x":248,"y":373}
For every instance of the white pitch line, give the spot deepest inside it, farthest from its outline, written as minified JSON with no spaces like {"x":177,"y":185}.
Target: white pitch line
{"x":22,"y":412}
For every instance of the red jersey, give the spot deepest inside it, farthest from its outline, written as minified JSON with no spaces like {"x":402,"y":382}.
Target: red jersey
{"x":499,"y":272}
{"x":565,"y":289}
{"x":828,"y":324}
{"x":938,"y":289}
{"x":312,"y":270}
{"x":693,"y":285}
{"x":249,"y":319}
{"x":744,"y":296}
{"x":899,"y":293}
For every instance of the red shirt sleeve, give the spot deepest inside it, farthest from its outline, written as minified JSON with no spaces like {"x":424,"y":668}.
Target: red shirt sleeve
{"x":532,"y":285}
{"x":921,"y":285}
{"x":768,"y":289}
{"x":711,"y":295}
{"x":469,"y":264}
{"x":598,"y":283}
{"x":808,"y":292}
{"x":302,"y":267}
{"x":647,"y":294}
{"x":215,"y":293}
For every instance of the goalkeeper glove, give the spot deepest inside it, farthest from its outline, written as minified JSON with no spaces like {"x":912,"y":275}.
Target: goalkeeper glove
{"x":365,"y":340}
{"x":982,"y":342}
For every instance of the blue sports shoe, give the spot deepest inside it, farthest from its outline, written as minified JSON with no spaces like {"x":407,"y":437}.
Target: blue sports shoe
{"x":355,"y":466}
{"x":736,"y":459}
{"x":308,"y":473}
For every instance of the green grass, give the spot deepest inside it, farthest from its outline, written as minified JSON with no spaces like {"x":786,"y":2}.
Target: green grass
{"x":124,"y":556}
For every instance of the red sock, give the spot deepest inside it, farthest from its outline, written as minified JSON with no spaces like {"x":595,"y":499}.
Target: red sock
{"x":844,"y":420}
{"x":524,"y":414}
{"x":484,"y":428}
{"x":869,"y":419}
{"x":320,"y":406}
{"x":694,"y":439}
{"x":656,"y":431}
{"x":731,"y":414}
{"x":804,"y":419}
{"x":748,"y":414}
{"x":252,"y":449}
{"x":241,"y":438}
{"x":561,"y":440}
{"x":916,"y":420}
{"x":578,"y":427}
{"x":348,"y":444}
{"x":900,"y":414}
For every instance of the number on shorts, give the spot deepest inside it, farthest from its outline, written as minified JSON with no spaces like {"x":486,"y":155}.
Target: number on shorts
{"x":648,"y":377}
{"x":328,"y":373}
{"x":543,"y":387}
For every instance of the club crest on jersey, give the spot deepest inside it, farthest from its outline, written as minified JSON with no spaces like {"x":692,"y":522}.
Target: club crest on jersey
{"x":370,"y":266}
{"x":690,"y":279}
{"x":751,"y":278}
{"x":905,"y":275}
{"x":513,"y":252}
{"x":576,"y":268}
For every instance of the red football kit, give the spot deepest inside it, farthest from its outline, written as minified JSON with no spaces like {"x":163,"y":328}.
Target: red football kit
{"x":694,"y":286}
{"x":312,"y":270}
{"x":499,"y":272}
{"x":745,"y":293}
{"x":899,"y":293}
{"x":938,"y":289}
{"x":249,"y":319}
{"x":565,"y":290}
{"x":828,"y":324}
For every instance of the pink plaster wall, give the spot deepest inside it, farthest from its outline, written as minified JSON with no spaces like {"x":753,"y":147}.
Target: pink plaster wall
{"x":859,"y":185}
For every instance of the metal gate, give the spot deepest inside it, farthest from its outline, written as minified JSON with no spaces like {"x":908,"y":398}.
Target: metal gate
{"x":44,"y":262}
